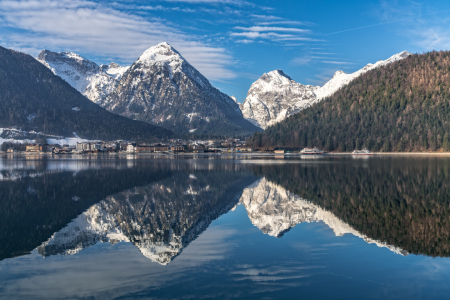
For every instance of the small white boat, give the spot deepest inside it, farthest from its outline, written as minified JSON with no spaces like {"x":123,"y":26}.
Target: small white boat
{"x":311,"y":151}
{"x":362,"y":152}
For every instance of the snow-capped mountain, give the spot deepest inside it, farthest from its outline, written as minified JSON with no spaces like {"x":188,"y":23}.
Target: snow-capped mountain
{"x":275,"y":211}
{"x":161,"y":87}
{"x":275,"y":96}
{"x":93,"y":81}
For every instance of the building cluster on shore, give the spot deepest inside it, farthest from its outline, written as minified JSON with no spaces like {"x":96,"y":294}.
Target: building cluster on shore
{"x":171,"y":146}
{"x":197,"y":146}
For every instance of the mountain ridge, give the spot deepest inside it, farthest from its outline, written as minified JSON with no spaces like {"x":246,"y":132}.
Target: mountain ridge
{"x":275,"y":96}
{"x":161,"y":87}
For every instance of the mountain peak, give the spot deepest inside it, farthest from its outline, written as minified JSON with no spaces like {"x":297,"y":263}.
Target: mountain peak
{"x":160,"y":52}
{"x":113,"y":65}
{"x":276,"y":76}
{"x":338,"y":73}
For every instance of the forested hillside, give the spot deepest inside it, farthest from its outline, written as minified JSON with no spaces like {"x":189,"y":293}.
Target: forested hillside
{"x":33,"y":98}
{"x":404,"y":106}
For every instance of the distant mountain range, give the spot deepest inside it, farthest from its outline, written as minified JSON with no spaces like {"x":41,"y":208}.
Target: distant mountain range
{"x":275,"y":96}
{"x":160,"y":87}
{"x":33,"y":99}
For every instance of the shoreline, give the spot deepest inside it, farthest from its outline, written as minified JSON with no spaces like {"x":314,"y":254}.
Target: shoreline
{"x":252,"y":154}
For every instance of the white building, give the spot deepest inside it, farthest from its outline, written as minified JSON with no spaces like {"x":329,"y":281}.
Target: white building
{"x":130,"y":148}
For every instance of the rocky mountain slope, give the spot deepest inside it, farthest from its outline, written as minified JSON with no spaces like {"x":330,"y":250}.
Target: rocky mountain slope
{"x":93,"y":81}
{"x":275,"y":96}
{"x":161,"y":87}
{"x":32,"y":98}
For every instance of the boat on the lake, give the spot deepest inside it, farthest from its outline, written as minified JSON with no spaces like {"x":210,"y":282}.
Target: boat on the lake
{"x":311,"y":151}
{"x":362,"y":152}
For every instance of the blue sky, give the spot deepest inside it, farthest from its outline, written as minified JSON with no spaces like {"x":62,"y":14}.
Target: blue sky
{"x":232,"y":42}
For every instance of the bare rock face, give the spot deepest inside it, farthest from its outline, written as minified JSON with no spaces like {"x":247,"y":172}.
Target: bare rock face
{"x":275,"y":96}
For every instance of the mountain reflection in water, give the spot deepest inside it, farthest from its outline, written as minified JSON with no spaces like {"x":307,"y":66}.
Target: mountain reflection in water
{"x":162,"y":218}
{"x":159,"y":219}
{"x":161,"y":206}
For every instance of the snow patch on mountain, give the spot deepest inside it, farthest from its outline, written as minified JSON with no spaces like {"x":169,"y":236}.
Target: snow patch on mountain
{"x":15,"y":135}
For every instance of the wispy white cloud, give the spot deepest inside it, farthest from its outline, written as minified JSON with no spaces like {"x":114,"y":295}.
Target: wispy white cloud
{"x":100,"y":30}
{"x":266,"y":28}
{"x":308,"y":59}
{"x":301,"y":60}
{"x":266,"y":17}
{"x":336,"y":62}
{"x":422,"y":24}
{"x":151,"y":8}
{"x":245,"y":41}
{"x":216,"y":2}
{"x":284,"y":22}
{"x":434,"y":38}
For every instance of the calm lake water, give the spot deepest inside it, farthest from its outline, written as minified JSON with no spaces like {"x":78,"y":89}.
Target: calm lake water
{"x":214,"y":227}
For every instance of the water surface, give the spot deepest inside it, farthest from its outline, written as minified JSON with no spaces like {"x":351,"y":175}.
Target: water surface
{"x":224,"y":227}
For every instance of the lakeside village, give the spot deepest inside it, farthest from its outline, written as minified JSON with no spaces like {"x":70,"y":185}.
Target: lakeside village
{"x":174,"y":146}
{"x":120,"y":146}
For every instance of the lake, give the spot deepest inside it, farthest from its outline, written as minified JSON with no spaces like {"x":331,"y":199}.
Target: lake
{"x":225,"y":227}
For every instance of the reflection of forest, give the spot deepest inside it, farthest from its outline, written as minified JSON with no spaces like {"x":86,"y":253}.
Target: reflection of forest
{"x":275,"y":211}
{"x":402,"y":202}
